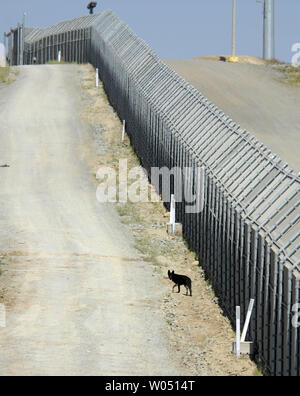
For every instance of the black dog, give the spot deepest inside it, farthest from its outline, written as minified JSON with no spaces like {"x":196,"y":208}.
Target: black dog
{"x":181,"y":280}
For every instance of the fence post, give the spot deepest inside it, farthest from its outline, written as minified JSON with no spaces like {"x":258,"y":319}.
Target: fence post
{"x":173,"y":213}
{"x":246,"y":326}
{"x":238,"y":331}
{"x":123,"y":130}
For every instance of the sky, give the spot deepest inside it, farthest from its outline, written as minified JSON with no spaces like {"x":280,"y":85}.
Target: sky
{"x":174,"y":28}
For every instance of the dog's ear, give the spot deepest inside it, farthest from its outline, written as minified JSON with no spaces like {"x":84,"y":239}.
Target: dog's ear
{"x":173,"y":272}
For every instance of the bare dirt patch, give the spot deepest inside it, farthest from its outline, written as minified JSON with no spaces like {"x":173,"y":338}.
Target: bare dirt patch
{"x":199,"y":335}
{"x":8,"y":288}
{"x":289,"y":73}
{"x":254,"y":97}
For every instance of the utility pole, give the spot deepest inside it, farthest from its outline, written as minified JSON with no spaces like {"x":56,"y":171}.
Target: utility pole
{"x":269,"y":41}
{"x":269,"y":29}
{"x":233,"y":53}
{"x":233,"y":57}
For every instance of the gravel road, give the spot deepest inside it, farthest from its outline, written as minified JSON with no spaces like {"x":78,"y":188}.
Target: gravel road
{"x":254,"y":97}
{"x":79,"y":300}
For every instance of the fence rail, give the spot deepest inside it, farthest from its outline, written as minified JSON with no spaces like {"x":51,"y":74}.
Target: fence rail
{"x":247,"y":237}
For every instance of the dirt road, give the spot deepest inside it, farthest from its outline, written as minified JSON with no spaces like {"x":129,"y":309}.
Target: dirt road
{"x":254,"y":97}
{"x":79,"y":300}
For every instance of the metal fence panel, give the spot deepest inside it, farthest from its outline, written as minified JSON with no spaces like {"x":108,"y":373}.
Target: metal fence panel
{"x":247,"y":236}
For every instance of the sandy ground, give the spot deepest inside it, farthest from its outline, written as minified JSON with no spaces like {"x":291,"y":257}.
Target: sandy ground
{"x":79,"y":299}
{"x":199,"y":335}
{"x":85,"y":284}
{"x":254,"y":97}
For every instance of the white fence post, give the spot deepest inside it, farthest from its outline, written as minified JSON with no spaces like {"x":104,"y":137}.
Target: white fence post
{"x":173,"y":213}
{"x":97,"y":78}
{"x":59,"y":56}
{"x":238,"y":331}
{"x":246,"y":326}
{"x":123,"y":130}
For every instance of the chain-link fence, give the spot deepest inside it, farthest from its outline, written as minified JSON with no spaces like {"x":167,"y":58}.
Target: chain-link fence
{"x":247,"y":236}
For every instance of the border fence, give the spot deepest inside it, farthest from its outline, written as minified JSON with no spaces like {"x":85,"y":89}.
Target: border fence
{"x":15,"y":45}
{"x":247,"y":236}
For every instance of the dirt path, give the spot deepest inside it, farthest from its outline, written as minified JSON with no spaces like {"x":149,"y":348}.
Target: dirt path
{"x":199,"y":336}
{"x":254,"y":97}
{"x":79,"y":299}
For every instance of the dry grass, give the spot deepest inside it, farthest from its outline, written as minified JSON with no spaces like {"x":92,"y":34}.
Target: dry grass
{"x":4,"y":74}
{"x":1,"y":263}
{"x":291,"y":74}
{"x":62,"y":62}
{"x":273,"y":61}
{"x":8,"y":74}
{"x":258,"y":372}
